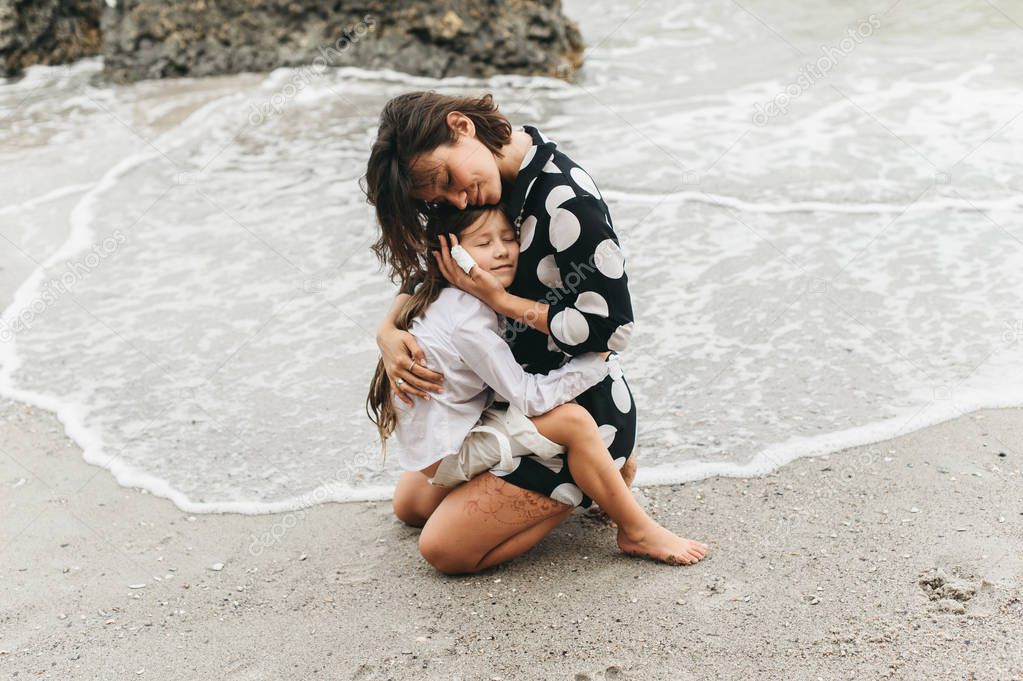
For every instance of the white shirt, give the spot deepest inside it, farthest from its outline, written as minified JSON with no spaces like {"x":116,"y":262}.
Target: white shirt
{"x":461,"y":338}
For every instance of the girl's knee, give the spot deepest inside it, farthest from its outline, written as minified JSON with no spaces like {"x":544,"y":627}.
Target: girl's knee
{"x":573,"y":414}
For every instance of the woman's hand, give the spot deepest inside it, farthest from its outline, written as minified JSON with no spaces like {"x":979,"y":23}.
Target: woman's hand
{"x":405,"y":365}
{"x":478,"y":282}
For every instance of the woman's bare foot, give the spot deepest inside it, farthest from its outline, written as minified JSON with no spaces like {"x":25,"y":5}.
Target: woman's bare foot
{"x":661,"y":544}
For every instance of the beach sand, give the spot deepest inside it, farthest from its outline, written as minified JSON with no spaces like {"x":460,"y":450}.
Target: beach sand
{"x":900,"y":560}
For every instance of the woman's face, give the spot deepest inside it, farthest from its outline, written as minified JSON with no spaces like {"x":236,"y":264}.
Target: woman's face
{"x":463,"y":173}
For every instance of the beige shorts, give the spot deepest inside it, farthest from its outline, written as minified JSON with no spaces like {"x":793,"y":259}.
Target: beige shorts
{"x":500,"y":435}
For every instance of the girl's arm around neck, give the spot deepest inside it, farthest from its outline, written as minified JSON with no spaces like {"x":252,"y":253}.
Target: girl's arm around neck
{"x":483,"y":350}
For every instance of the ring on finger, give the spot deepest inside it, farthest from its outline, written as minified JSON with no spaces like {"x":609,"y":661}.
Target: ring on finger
{"x":411,"y":367}
{"x":399,"y":381}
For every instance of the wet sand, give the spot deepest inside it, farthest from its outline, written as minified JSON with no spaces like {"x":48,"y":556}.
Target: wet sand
{"x":902,"y":560}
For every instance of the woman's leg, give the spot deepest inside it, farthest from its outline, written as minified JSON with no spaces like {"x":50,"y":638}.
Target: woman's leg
{"x":415,"y":499}
{"x":593,"y":469}
{"x":629,"y":470}
{"x":487,"y":521}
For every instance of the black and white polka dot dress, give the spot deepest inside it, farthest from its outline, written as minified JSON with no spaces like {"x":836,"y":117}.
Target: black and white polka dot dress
{"x":571,"y":259}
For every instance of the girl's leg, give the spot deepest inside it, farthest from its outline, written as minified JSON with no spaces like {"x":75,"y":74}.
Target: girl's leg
{"x":628,"y":472}
{"x":592,"y":468}
{"x":487,"y":521}
{"x":415,"y":499}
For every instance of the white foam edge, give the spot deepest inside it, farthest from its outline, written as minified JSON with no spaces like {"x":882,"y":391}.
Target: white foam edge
{"x":281,"y":75}
{"x":41,"y":75}
{"x":73,"y":417}
{"x":80,"y":237}
{"x":775,"y":456}
{"x":53,"y":195}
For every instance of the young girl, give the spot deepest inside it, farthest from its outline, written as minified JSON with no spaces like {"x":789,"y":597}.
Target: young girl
{"x":462,"y":431}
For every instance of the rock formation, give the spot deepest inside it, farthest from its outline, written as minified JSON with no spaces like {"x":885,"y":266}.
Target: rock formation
{"x":47,"y":32}
{"x":162,"y":38}
{"x":166,"y":38}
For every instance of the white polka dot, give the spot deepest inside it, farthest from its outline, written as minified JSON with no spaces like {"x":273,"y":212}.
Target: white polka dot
{"x":529,"y":157}
{"x":551,"y":345}
{"x":608,"y":259}
{"x":567,"y":493}
{"x":564,"y":230}
{"x":607,"y":434}
{"x":620,"y":338}
{"x":548,"y":273}
{"x":620,"y":395}
{"x":615,"y":370}
{"x":593,"y":303}
{"x":570,"y":326}
{"x":549,"y":167}
{"x":584,"y":181}
{"x":526,"y":232}
{"x":619,"y":462}
{"x":558,"y":196}
{"x":500,"y":472}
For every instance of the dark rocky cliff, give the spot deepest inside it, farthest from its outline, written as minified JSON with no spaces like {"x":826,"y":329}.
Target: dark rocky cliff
{"x":47,"y":32}
{"x":166,"y":38}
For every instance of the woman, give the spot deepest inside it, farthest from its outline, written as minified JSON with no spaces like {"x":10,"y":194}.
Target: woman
{"x":570,"y":295}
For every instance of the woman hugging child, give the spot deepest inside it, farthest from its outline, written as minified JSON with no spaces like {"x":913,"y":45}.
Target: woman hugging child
{"x":491,"y":410}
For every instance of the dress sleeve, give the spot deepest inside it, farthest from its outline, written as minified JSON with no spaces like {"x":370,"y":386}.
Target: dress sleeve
{"x":483,"y":350}
{"x":592,"y":311}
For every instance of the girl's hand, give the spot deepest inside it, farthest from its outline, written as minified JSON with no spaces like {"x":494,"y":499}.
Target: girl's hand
{"x":404,"y":360}
{"x":478,"y":282}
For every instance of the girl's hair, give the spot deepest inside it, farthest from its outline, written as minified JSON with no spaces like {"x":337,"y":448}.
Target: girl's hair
{"x":443,"y":220}
{"x":413,"y":124}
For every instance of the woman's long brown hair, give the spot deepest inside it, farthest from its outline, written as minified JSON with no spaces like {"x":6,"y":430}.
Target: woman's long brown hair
{"x":445,"y":219}
{"x":413,"y":124}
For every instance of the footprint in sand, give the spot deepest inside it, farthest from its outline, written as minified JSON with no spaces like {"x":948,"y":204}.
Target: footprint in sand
{"x":949,"y":592}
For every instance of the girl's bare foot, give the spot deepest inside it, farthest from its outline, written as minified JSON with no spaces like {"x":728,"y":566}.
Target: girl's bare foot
{"x":661,"y":544}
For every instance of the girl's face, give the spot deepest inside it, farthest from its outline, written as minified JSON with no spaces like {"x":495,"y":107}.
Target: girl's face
{"x":492,"y":244}
{"x":462,"y":174}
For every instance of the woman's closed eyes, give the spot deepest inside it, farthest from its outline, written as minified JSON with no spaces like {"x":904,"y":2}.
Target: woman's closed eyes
{"x":446,"y":185}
